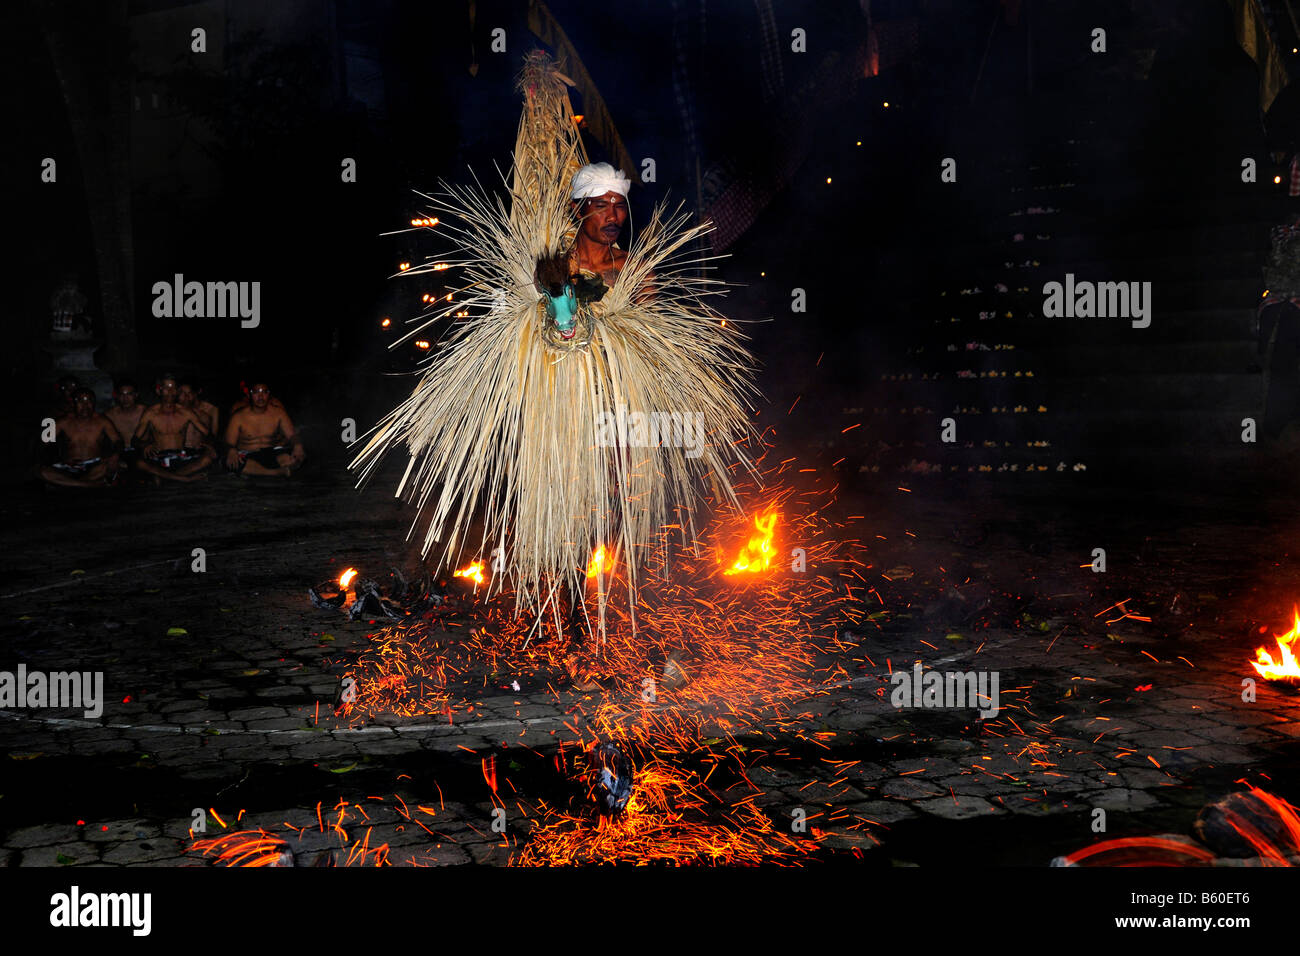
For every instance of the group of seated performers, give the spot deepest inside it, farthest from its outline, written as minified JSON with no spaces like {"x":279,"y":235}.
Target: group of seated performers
{"x":178,"y":438}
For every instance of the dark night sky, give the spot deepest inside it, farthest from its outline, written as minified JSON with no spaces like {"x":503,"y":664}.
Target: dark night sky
{"x":249,"y":188}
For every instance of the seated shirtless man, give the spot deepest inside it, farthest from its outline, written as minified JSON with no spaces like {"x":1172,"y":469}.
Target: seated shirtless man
{"x":160,"y":436}
{"x":261,"y":438}
{"x":125,"y":415}
{"x":189,"y":395}
{"x":84,"y":434}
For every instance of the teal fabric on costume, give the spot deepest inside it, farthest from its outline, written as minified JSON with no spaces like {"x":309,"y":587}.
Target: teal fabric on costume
{"x":563,"y":309}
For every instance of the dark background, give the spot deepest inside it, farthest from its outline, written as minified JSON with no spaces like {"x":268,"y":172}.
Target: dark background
{"x":225,"y":166}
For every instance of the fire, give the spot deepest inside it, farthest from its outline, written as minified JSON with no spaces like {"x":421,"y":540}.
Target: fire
{"x":346,"y":578}
{"x":1286,"y":665}
{"x":757,"y":554}
{"x":474,"y":572}
{"x":600,"y":562}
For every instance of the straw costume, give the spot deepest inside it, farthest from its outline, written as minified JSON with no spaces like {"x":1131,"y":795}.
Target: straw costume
{"x":561,"y":414}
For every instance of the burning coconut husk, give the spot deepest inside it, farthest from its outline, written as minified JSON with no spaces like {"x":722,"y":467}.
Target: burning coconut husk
{"x":400,"y":598}
{"x":1254,"y":826}
{"x":1254,"y":823}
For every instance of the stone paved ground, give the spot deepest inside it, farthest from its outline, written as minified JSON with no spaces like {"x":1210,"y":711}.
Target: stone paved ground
{"x":1144,"y":719}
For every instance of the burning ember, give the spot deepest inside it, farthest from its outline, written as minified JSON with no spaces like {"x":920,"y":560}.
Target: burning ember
{"x":666,"y":821}
{"x":757,"y":554}
{"x":600,"y":563}
{"x":346,"y":578}
{"x":474,"y":573}
{"x":1285,"y":668}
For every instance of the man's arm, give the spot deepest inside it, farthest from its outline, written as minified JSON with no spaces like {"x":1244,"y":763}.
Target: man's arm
{"x":198,"y":422}
{"x":291,"y":437}
{"x":232,"y":441}
{"x":114,"y":438}
{"x":142,"y":438}
{"x":111,"y":433}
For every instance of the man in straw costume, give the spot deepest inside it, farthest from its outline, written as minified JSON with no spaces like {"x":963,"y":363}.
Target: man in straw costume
{"x":546,"y":413}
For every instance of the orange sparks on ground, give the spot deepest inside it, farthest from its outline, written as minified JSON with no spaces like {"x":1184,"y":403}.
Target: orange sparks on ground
{"x":757,"y":554}
{"x":1285,"y":666}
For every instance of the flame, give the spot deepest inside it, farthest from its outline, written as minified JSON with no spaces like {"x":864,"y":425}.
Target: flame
{"x":1286,"y":664}
{"x":757,"y":554}
{"x":474,"y":572}
{"x":346,"y":578}
{"x":600,"y":563}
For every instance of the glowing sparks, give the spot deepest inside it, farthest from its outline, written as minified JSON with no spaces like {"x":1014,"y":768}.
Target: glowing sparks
{"x":1285,"y":666}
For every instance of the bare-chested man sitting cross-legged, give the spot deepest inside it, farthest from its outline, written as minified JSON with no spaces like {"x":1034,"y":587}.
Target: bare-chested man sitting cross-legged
{"x":161,"y":438}
{"x":261,"y":437}
{"x":84,"y":434}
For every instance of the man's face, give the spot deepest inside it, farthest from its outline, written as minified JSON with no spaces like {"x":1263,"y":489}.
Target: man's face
{"x":167,"y":390}
{"x":185,"y":395}
{"x":84,"y":404}
{"x":124,"y":395}
{"x":259,"y":395}
{"x":603,"y":218}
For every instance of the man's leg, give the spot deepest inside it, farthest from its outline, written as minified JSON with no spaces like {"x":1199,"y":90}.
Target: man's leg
{"x":268,"y":463}
{"x":91,"y":478}
{"x":200,"y":464}
{"x":159,"y":472}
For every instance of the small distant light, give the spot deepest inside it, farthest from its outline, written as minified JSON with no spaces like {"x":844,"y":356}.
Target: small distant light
{"x":438,"y":267}
{"x":886,"y":104}
{"x":403,"y":266}
{"x":1294,"y":50}
{"x":763,"y":274}
{"x":579,"y":117}
{"x":724,"y":323}
{"x":859,"y":142}
{"x":1277,"y":179}
{"x":421,"y":344}
{"x":448,"y":296}
{"x":828,"y":180}
{"x":387,"y":322}
{"x":425,"y":297}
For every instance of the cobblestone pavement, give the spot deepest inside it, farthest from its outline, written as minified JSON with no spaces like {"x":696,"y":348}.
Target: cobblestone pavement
{"x":218,"y":697}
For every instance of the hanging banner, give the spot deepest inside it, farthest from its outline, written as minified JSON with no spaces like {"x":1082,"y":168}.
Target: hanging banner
{"x":1250,"y":20}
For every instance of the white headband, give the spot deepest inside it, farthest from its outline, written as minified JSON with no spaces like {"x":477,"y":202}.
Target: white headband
{"x":598,"y":179}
